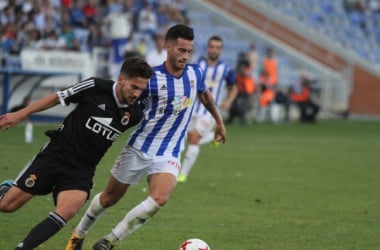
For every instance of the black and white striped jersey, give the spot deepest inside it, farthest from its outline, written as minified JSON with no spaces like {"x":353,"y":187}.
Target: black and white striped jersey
{"x":90,"y":129}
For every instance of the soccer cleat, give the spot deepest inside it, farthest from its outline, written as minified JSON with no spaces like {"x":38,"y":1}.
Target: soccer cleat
{"x":182,"y":178}
{"x":75,"y":242}
{"x":4,"y":187}
{"x":103,"y":244}
{"x":214,"y":144}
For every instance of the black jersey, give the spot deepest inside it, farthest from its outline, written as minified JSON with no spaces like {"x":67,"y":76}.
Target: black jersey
{"x":90,"y":129}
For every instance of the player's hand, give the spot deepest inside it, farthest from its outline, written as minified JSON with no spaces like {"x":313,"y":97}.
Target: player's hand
{"x":225,"y":106}
{"x":9,"y":120}
{"x":220,"y":133}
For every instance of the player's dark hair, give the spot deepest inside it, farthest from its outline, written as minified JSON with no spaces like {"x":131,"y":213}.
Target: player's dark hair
{"x":136,"y":67}
{"x":179,"y":31}
{"x":215,"y":38}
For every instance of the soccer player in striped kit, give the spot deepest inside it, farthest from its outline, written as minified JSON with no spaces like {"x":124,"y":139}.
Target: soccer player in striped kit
{"x":155,"y":146}
{"x":65,"y":166}
{"x":217,"y":76}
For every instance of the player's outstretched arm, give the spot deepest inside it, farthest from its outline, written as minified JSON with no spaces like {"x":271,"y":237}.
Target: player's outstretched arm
{"x":9,"y":120}
{"x":208,"y":101}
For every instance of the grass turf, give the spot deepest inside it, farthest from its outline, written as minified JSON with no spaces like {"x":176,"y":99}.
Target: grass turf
{"x":290,"y":186}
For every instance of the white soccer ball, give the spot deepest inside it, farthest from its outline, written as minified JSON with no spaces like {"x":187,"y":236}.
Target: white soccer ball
{"x":194,"y":244}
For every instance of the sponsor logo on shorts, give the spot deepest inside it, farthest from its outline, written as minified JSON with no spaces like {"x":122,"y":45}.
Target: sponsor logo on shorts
{"x":175,"y":164}
{"x":31,"y":180}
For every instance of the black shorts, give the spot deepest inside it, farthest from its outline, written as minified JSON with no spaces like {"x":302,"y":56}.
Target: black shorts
{"x":45,"y":174}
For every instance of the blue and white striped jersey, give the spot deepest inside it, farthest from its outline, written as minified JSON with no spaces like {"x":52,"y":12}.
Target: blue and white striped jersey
{"x":216,"y":78}
{"x":169,"y":103}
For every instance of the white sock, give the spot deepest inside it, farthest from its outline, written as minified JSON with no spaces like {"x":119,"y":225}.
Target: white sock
{"x":134,"y":219}
{"x":190,"y":158}
{"x":93,"y":213}
{"x":209,"y":137}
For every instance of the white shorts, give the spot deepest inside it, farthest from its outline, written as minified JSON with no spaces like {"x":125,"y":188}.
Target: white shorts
{"x":132,"y":164}
{"x":203,"y":124}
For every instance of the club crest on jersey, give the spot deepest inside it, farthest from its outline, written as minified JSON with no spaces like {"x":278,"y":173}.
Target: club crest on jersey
{"x":125,"y":118}
{"x":181,"y":102}
{"x":31,"y":180}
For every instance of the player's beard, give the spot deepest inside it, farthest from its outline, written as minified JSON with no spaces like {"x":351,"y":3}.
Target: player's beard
{"x":213,"y":57}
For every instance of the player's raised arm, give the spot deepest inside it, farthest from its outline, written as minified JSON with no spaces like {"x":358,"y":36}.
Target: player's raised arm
{"x":208,"y":101}
{"x":11,"y":119}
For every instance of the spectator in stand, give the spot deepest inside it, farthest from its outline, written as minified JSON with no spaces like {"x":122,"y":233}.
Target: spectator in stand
{"x":119,"y":24}
{"x":269,"y":65}
{"x":374,"y":6}
{"x":67,"y":34}
{"x":308,"y":109}
{"x":90,"y":11}
{"x":34,"y":39}
{"x":52,"y":41}
{"x":142,"y":47}
{"x":96,"y":38}
{"x":147,"y":19}
{"x":158,"y":54}
{"x":78,"y":18}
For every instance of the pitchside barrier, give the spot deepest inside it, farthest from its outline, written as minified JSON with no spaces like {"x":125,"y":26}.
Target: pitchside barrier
{"x":18,"y":84}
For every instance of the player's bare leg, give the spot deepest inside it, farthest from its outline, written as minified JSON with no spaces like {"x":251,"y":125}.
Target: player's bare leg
{"x":114,"y":191}
{"x":13,"y":199}
{"x":68,"y":204}
{"x":161,"y":187}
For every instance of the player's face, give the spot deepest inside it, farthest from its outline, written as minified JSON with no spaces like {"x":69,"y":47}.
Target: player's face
{"x":214,"y":49}
{"x":179,"y":53}
{"x":131,"y":89}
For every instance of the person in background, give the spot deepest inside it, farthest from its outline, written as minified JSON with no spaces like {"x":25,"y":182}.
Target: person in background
{"x":28,"y":123}
{"x":218,"y":76}
{"x":308,"y":109}
{"x":270,"y":66}
{"x":157,"y":55}
{"x":246,"y":87}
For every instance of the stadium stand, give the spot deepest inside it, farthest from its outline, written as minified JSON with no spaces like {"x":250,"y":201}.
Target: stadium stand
{"x":352,"y":28}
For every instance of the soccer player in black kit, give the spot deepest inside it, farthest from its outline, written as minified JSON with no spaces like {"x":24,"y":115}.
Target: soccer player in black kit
{"x":65,"y":166}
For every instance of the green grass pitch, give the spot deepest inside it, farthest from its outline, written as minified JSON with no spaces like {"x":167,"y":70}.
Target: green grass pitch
{"x":285,"y":187}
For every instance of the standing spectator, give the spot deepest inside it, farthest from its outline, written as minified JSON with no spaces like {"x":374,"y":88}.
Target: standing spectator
{"x":253,"y":57}
{"x":246,"y":87}
{"x":270,"y":65}
{"x":157,"y":55}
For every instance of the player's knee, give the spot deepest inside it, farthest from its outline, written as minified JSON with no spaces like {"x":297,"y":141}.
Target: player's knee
{"x":66,"y":213}
{"x":109,"y":199}
{"x":160,"y":199}
{"x":7,"y":207}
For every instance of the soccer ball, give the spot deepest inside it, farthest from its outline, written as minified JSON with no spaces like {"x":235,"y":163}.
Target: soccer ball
{"x":194,"y":244}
